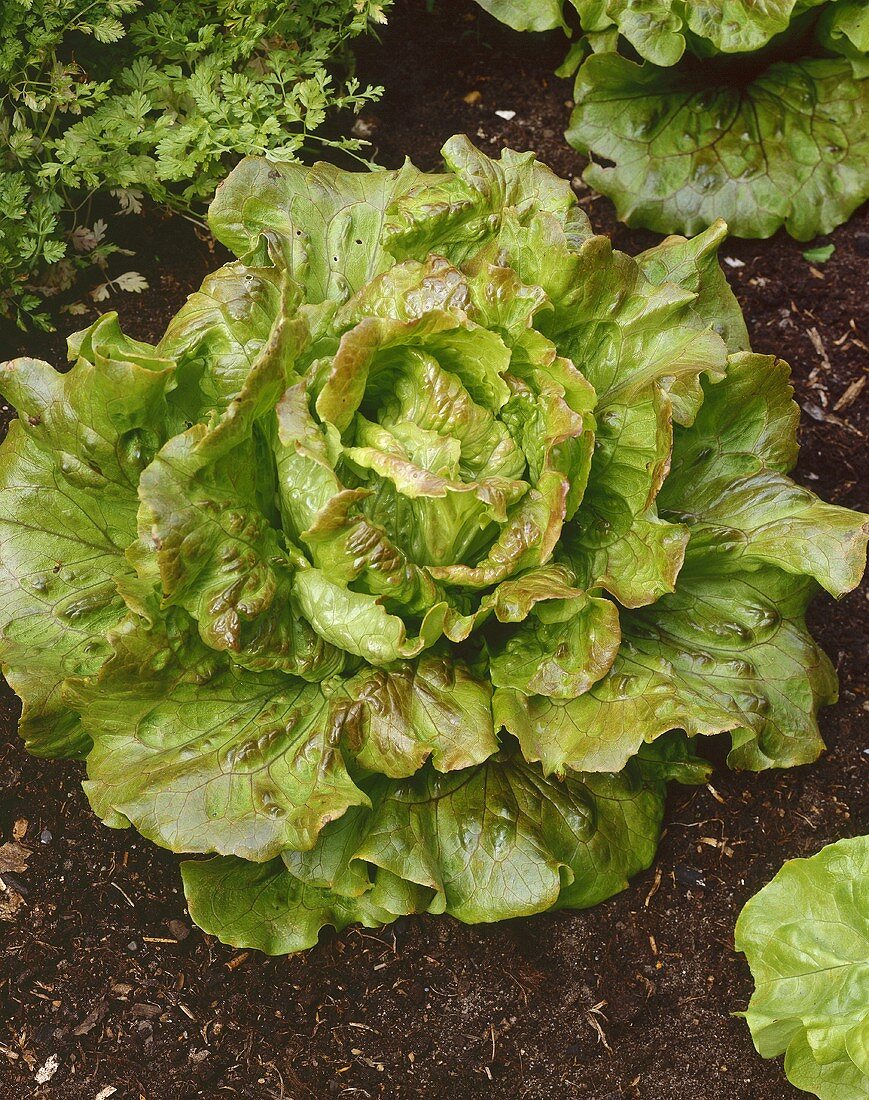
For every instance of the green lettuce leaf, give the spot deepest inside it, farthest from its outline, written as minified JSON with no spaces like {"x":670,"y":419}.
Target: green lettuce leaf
{"x":727,"y":484}
{"x":263,"y":906}
{"x":659,"y":30}
{"x":326,"y":224}
{"x":206,"y":513}
{"x":68,"y":473}
{"x":806,"y":938}
{"x":655,"y":28}
{"x":526,"y":15}
{"x":790,"y":148}
{"x":728,"y":650}
{"x":844,"y":29}
{"x":217,"y":335}
{"x":457,"y":215}
{"x":202,"y":755}
{"x":643,"y":349}
{"x":725,"y":652}
{"x":693,"y":264}
{"x":568,"y":643}
{"x":433,"y":706}
{"x":494,"y":842}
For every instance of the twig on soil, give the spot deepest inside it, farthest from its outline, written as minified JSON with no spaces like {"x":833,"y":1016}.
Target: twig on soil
{"x":654,"y":888}
{"x":851,"y":394}
{"x":591,"y":1016}
{"x":126,"y":897}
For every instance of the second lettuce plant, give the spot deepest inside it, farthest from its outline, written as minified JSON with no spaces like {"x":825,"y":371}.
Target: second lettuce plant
{"x":757,"y":113}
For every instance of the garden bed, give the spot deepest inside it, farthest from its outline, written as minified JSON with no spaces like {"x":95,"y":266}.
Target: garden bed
{"x":102,"y":974}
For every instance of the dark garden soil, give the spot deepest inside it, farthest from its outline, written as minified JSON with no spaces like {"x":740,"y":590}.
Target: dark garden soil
{"x":102,"y":973}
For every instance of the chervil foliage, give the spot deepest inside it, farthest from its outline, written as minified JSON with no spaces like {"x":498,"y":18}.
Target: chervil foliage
{"x":392,"y":575}
{"x":135,"y":96}
{"x":757,"y":113}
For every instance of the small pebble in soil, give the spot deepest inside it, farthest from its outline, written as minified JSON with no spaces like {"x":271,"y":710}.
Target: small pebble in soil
{"x":13,"y":882}
{"x":689,"y":877}
{"x":47,"y":1070}
{"x":132,"y":947}
{"x":178,"y":929}
{"x":45,"y":837}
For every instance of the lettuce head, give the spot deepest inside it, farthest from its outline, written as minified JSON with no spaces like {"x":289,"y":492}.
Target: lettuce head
{"x":394,"y":576}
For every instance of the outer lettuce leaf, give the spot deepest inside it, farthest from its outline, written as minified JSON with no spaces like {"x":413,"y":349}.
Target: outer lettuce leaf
{"x":201,"y":755}
{"x":729,"y":649}
{"x":791,"y":148}
{"x":498,"y":841}
{"x":753,"y":124}
{"x":762,"y":516}
{"x":660,"y":29}
{"x":844,"y":29}
{"x":806,"y":938}
{"x":747,"y":423}
{"x":727,"y":484}
{"x":653,"y":27}
{"x":841,"y":1079}
{"x":743,"y":26}
{"x":526,"y":15}
{"x":68,"y":474}
{"x":502,"y":841}
{"x":263,"y":906}
{"x":725,"y":652}
{"x":204,"y":504}
{"x":459,"y":214}
{"x":325,"y":223}
{"x":693,"y":265}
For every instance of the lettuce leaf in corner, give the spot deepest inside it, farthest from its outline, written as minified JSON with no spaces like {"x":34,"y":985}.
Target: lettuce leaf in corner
{"x":790,"y":148}
{"x":806,"y":938}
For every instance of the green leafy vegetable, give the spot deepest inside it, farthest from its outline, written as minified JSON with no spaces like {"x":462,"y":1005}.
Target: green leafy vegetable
{"x":498,"y":841}
{"x":391,"y":575}
{"x":819,"y":255}
{"x":806,"y":938}
{"x":129,"y":98}
{"x":751,"y":112}
{"x":526,"y":15}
